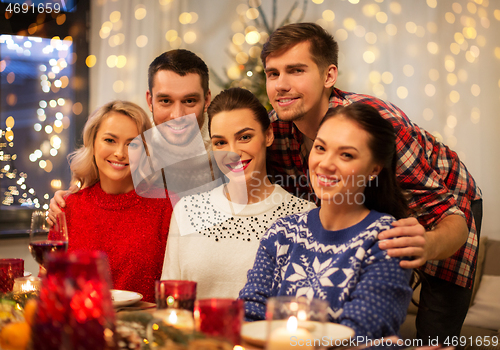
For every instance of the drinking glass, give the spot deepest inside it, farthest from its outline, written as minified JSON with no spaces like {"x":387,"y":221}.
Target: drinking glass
{"x":45,"y":239}
{"x":174,"y":309}
{"x":221,"y":318}
{"x":175,"y":294}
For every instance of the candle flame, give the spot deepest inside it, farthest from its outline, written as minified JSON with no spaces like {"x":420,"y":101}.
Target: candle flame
{"x":302,"y":315}
{"x":27,"y":287}
{"x":291,"y":324}
{"x":172,"y":318}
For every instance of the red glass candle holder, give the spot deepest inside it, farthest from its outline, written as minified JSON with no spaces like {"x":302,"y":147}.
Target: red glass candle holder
{"x":10,"y":269}
{"x":75,"y":310}
{"x":220,"y":318}
{"x":175,"y":294}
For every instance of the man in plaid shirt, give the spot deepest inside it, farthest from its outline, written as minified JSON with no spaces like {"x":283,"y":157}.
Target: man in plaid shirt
{"x":300,"y":62}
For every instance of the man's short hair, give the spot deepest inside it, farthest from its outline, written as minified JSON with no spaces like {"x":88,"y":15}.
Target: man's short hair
{"x":181,"y":62}
{"x":324,"y":49}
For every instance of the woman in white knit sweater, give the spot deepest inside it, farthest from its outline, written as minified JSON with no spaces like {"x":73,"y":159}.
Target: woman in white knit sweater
{"x":214,"y":235}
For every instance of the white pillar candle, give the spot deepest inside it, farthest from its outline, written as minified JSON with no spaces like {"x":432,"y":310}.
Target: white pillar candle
{"x":289,"y":337}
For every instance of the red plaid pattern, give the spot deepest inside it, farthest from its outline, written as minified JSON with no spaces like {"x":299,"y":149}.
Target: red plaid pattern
{"x":437,"y":181}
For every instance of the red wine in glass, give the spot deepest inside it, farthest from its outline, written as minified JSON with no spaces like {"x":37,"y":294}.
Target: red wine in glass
{"x":39,"y":249}
{"x":45,"y":239}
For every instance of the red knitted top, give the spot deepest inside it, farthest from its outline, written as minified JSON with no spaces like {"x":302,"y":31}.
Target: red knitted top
{"x":130,"y":229}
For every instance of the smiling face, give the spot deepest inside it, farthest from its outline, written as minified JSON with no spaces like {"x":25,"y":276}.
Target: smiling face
{"x":296,"y":87}
{"x":341,"y":162}
{"x":111,"y":143}
{"x":174,"y":96}
{"x":240,"y":145}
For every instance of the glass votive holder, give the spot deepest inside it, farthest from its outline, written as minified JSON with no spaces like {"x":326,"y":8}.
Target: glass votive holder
{"x":27,"y":284}
{"x":177,"y":318}
{"x":292,"y":321}
{"x":75,"y":310}
{"x":175,"y":294}
{"x":10,"y":269}
{"x":221,"y":318}
{"x":168,"y":324}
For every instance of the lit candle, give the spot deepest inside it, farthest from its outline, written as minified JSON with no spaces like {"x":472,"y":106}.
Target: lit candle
{"x":26,"y":284}
{"x":181,"y":319}
{"x":290,"y":337}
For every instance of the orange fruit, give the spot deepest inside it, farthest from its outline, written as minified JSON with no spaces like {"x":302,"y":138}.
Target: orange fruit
{"x":29,"y":311}
{"x":15,"y":336}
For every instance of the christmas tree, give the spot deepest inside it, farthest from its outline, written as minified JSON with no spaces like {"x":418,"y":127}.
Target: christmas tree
{"x":247,"y":42}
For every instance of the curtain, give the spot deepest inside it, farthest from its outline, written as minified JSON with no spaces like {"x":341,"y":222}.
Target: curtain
{"x":439,"y":61}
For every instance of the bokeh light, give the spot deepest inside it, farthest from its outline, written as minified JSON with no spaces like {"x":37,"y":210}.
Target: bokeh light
{"x":430,"y":90}
{"x":341,"y":35}
{"x":432,"y":3}
{"x":395,"y":7}
{"x":391,"y":29}
{"x":475,"y":115}
{"x":408,"y":70}
{"x":90,"y":61}
{"x":141,"y":41}
{"x":451,"y":79}
{"x":115,"y":16}
{"x":451,"y":121}
{"x":381,"y":17}
{"x":328,"y":15}
{"x":402,"y":92}
{"x":190,"y":37}
{"x":238,"y":39}
{"x":252,"y":13}
{"x":475,"y":90}
{"x":118,"y":86}
{"x":171,"y":35}
{"x":349,"y":23}
{"x":369,"y":56}
{"x":140,"y":12}
{"x":428,"y":114}
{"x":454,"y":96}
{"x":432,"y":47}
{"x":387,"y":77}
{"x":375,"y":77}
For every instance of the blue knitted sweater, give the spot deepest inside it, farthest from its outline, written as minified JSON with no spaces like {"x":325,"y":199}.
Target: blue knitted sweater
{"x":367,"y":290}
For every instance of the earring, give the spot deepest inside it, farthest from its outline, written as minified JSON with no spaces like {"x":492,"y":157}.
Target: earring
{"x":372,"y":177}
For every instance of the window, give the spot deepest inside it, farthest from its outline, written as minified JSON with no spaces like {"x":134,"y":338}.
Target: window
{"x":44,"y":98}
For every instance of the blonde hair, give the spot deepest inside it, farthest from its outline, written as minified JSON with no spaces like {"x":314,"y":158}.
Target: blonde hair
{"x":82,"y":163}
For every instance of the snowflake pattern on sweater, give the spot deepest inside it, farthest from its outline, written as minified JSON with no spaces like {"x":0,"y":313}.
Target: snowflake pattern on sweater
{"x":367,"y":290}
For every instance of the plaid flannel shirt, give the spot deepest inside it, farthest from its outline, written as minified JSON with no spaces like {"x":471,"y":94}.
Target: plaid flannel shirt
{"x":437,"y":181}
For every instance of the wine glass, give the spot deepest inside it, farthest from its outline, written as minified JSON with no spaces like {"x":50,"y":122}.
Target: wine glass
{"x":45,"y":239}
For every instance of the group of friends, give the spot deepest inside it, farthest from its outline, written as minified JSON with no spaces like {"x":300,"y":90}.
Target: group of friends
{"x":332,"y":195}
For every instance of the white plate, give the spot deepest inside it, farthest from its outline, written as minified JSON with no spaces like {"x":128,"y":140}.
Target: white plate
{"x":255,"y":333}
{"x":124,"y":297}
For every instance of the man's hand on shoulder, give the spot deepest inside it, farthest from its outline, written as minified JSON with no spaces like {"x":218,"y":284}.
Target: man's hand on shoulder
{"x":411,"y":239}
{"x":58,"y":202}
{"x":408,"y":239}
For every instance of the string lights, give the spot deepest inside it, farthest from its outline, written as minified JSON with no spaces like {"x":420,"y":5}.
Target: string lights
{"x":50,"y":120}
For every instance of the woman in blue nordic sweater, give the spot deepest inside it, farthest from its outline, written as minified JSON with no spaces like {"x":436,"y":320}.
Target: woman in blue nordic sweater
{"x":332,"y":252}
